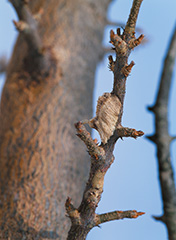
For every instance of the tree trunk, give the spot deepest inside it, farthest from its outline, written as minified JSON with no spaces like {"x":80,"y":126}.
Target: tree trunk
{"x":41,"y":160}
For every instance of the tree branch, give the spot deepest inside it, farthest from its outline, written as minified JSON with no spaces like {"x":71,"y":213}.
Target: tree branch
{"x":116,"y":215}
{"x":39,"y":57}
{"x":162,"y":139}
{"x":108,"y":123}
{"x":128,"y":132}
{"x":84,"y":135}
{"x":124,"y":44}
{"x":131,"y":23}
{"x":27,"y":25}
{"x":122,"y":25}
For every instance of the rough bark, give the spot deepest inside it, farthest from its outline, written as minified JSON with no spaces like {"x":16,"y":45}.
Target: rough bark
{"x":162,"y":139}
{"x":48,"y":87}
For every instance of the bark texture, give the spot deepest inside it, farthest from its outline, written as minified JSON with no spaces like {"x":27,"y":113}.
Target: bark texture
{"x":41,"y":160}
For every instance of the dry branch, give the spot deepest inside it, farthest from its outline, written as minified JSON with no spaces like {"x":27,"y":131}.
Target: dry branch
{"x":162,"y":139}
{"x":122,"y":25}
{"x":131,"y":23}
{"x":108,"y":123}
{"x":116,"y":215}
{"x":27,"y":25}
{"x":38,"y":55}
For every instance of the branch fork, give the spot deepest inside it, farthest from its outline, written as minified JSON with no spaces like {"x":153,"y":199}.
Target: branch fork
{"x":27,"y":25}
{"x":28,"y":28}
{"x":108,"y":123}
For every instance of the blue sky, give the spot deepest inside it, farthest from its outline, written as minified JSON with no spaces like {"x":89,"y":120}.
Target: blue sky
{"x":132,"y":181}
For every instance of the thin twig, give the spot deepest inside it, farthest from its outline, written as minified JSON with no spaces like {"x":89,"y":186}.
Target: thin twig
{"x":108,"y":123}
{"x":131,"y":23}
{"x":128,"y":132}
{"x":84,"y":135}
{"x":116,"y":215}
{"x":162,"y":139}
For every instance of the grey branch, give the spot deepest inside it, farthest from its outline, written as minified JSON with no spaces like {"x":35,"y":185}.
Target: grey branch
{"x":39,"y":58}
{"x":131,"y":23}
{"x":27,"y":25}
{"x":108,"y":123}
{"x":162,"y":139}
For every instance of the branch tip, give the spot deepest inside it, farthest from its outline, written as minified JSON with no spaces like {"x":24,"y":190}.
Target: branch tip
{"x":136,"y":41}
{"x":151,"y":108}
{"x":152,"y":138}
{"x":118,"y":32}
{"x":111,"y":63}
{"x":112,"y":34}
{"x":110,"y":58}
{"x":116,"y":215}
{"x":137,"y":214}
{"x":160,"y":218}
{"x":78,"y":125}
{"x":129,"y":132}
{"x":68,"y":204}
{"x":69,"y":207}
{"x":96,"y":141}
{"x":21,"y":26}
{"x":127,"y":69}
